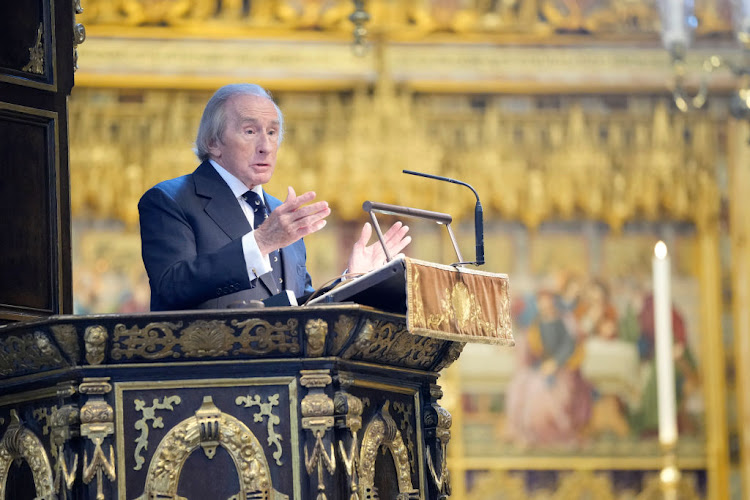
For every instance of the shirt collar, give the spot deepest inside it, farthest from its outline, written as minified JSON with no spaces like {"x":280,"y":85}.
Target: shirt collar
{"x":237,"y":186}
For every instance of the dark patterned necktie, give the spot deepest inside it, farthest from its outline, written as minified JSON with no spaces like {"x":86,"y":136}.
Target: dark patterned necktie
{"x":260,"y":214}
{"x":259,"y":208}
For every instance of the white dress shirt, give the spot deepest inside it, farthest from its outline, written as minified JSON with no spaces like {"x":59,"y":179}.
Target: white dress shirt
{"x":257,"y":263}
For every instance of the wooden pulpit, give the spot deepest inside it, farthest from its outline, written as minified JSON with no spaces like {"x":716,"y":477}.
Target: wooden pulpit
{"x":326,"y":401}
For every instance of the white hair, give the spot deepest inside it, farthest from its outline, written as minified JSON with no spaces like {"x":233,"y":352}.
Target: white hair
{"x":214,"y":117}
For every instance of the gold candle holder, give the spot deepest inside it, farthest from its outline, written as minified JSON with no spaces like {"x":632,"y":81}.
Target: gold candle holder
{"x":669,"y":477}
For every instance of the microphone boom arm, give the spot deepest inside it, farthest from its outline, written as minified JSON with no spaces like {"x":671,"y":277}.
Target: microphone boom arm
{"x":478,"y":215}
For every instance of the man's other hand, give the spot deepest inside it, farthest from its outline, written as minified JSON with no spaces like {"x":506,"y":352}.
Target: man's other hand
{"x":366,"y":257}
{"x":292,"y":220}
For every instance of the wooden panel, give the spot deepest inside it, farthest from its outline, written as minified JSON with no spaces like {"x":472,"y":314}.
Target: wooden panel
{"x":27,"y":35}
{"x":36,"y":77}
{"x":28,"y":197}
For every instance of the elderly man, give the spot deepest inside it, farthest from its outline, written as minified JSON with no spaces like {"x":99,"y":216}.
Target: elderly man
{"x":214,"y":238}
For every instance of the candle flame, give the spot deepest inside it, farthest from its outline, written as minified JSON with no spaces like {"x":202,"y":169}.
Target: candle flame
{"x":660,"y":250}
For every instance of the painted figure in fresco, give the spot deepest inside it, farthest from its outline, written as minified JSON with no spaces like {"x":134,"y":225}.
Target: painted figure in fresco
{"x":645,"y":417}
{"x":215,"y":238}
{"x":597,"y":323}
{"x":548,"y":402}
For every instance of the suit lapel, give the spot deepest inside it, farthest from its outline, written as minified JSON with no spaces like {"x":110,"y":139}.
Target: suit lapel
{"x":221,"y":205}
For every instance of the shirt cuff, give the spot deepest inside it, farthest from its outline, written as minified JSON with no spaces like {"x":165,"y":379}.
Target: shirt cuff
{"x":257,"y":263}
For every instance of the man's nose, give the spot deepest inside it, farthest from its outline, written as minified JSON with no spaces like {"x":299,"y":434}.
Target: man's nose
{"x":264,"y":143}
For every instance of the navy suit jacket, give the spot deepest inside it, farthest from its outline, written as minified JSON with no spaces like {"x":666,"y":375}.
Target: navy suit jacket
{"x":191,"y":237}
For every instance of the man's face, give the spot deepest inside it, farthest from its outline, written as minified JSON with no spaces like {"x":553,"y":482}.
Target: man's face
{"x":248,"y":145}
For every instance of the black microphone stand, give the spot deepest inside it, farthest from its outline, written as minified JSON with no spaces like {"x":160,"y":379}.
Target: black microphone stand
{"x":478,"y":216}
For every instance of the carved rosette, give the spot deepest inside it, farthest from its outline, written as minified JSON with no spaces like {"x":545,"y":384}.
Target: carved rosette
{"x":317,"y":417}
{"x":383,"y":431}
{"x":207,"y":339}
{"x":19,"y":443}
{"x":97,"y":424}
{"x":209,"y":428}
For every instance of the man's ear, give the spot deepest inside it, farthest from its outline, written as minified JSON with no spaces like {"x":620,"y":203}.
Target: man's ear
{"x":213,"y":148}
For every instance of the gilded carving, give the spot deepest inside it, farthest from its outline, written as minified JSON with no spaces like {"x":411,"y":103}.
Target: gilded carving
{"x":363,"y":340}
{"x":97,"y":424}
{"x":64,"y":426}
{"x":391,"y":343}
{"x":204,"y":338}
{"x":342,"y":330}
{"x":28,"y":352}
{"x":451,"y":355}
{"x":209,"y":424}
{"x":67,"y":338}
{"x":95,"y":341}
{"x":541,"y":179}
{"x":345,"y":379}
{"x":317,"y":417}
{"x":19,"y":443}
{"x":316,"y":331}
{"x":315,"y":379}
{"x":44,"y":415}
{"x":261,"y":337}
{"x":407,"y":414}
{"x":61,"y":422}
{"x":383,"y":431}
{"x":36,"y":54}
{"x":149,"y":413}
{"x":538,"y":18}
{"x":266,"y":410}
{"x":349,"y":409}
{"x":442,"y":420}
{"x":155,"y":341}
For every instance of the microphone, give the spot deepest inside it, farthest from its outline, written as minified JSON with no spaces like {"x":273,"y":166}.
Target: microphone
{"x":478,"y":223}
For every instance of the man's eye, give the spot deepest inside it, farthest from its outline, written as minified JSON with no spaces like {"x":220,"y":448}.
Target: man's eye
{"x":249,"y":131}
{"x":271,"y":132}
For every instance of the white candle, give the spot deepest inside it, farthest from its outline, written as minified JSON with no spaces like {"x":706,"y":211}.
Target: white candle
{"x":664,"y":347}
{"x":673,"y":18}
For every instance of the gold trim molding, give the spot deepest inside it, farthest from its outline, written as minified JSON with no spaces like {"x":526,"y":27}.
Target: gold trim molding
{"x":326,"y":64}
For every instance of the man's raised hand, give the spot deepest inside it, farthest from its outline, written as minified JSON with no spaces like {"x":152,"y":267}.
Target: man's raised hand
{"x":366,"y":257}
{"x":291,"y":221}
